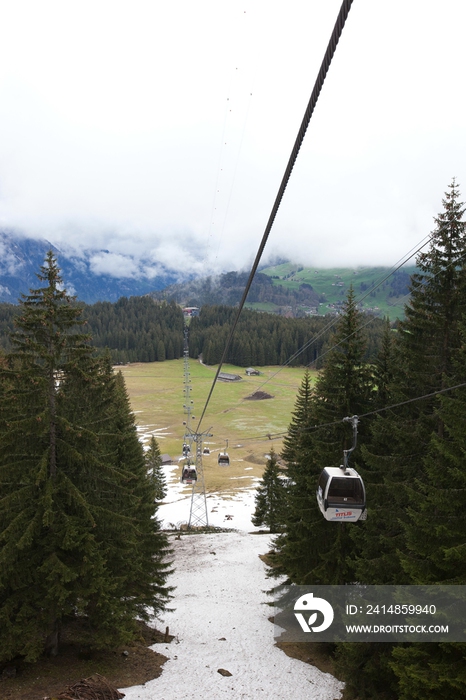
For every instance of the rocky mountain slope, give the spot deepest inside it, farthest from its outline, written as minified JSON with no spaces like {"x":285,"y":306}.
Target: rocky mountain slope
{"x":21,"y":258}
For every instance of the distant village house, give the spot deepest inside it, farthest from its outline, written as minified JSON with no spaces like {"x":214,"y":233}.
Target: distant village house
{"x":191,"y":311}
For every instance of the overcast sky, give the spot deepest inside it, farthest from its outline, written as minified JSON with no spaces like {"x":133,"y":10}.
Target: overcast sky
{"x":160,"y":131}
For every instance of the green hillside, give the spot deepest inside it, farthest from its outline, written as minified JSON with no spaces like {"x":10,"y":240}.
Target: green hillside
{"x":332,"y":285}
{"x":292,"y":290}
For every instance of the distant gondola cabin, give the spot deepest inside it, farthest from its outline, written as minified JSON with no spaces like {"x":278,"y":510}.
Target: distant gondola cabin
{"x":189,"y":475}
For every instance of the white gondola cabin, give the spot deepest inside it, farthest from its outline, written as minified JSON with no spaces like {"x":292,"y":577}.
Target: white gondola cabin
{"x":341,"y":495}
{"x":206,"y":451}
{"x":186,"y":449}
{"x":189,"y":474}
{"x":223,"y":459}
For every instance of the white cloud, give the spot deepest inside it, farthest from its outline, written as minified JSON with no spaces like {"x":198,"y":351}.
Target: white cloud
{"x":114,"y":265}
{"x":160,"y":132}
{"x":9,"y":263}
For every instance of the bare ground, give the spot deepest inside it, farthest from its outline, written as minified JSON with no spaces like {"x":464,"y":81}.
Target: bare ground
{"x":123,"y":667}
{"x":258,"y":396}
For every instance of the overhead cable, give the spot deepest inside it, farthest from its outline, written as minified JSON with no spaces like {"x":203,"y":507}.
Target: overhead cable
{"x":270,"y":436}
{"x":402,"y":261}
{"x":336,"y":33}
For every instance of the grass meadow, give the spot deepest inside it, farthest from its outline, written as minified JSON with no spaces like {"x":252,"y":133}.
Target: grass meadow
{"x":156,"y":394}
{"x":327,"y":281}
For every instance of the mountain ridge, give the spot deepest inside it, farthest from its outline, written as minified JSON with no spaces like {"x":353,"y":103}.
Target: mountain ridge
{"x":293,"y":290}
{"x":21,"y":258}
{"x":284,"y":288}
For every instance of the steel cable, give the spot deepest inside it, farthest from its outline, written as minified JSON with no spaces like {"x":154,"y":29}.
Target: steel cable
{"x":332,"y":45}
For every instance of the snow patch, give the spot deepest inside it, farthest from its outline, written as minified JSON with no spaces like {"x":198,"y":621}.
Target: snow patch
{"x":221,"y":621}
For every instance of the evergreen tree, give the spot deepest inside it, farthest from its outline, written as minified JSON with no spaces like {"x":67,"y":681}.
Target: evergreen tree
{"x":436,"y":526}
{"x":430,"y":671}
{"x":270,"y":497}
{"x":377,"y":542}
{"x":290,"y":554}
{"x":154,"y":467}
{"x":415,"y":529}
{"x":136,"y":549}
{"x":312,"y":550}
{"x":161,"y":351}
{"x":384,"y":366}
{"x":435,"y":534}
{"x":438,"y":491}
{"x":267,"y":339}
{"x":422,"y":363}
{"x":431,"y":328}
{"x":366,"y":670}
{"x":74,"y":492}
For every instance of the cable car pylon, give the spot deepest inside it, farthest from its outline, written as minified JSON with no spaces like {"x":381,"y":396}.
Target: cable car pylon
{"x":193,"y":474}
{"x":198,"y":516}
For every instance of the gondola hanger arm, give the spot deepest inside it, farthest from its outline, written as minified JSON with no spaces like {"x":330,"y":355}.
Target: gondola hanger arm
{"x":354,"y":420}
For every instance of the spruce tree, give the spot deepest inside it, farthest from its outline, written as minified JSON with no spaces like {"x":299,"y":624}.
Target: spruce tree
{"x":437,"y":495}
{"x":377,"y":561}
{"x":366,"y":668}
{"x":415,"y":529}
{"x":435,"y":533}
{"x":345,"y":387}
{"x":154,"y":468}
{"x":435,"y":530}
{"x":430,"y":671}
{"x":136,"y":549}
{"x":312,"y":550}
{"x":74,"y":493}
{"x":42,"y":537}
{"x":423,"y":362}
{"x":270,"y":498}
{"x":290,"y":557}
{"x":431,"y":329}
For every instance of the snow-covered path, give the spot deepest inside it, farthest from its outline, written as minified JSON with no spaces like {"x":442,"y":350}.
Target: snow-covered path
{"x":221,"y":622}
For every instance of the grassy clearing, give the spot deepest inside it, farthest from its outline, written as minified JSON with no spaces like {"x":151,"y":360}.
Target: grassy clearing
{"x":156,"y":394}
{"x":334,"y":284}
{"x":262,"y":306}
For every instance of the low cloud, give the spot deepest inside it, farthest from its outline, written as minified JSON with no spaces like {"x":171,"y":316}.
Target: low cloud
{"x":175,"y":163}
{"x":9,"y":262}
{"x":114,"y":265}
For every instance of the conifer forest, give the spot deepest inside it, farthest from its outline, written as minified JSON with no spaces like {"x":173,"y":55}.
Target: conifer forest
{"x":412,"y":447}
{"x":78,"y":494}
{"x":80,"y":543}
{"x":140,"y":329}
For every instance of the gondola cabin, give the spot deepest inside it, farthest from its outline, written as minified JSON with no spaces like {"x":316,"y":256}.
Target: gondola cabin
{"x":189,"y":474}
{"x":206,"y":451}
{"x":223,"y":459}
{"x":341,"y":495}
{"x":186,"y":449}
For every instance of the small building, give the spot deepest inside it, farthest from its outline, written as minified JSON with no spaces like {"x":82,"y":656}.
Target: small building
{"x":166,"y":459}
{"x":250,"y":371}
{"x":191,"y":311}
{"x":225,"y":377}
